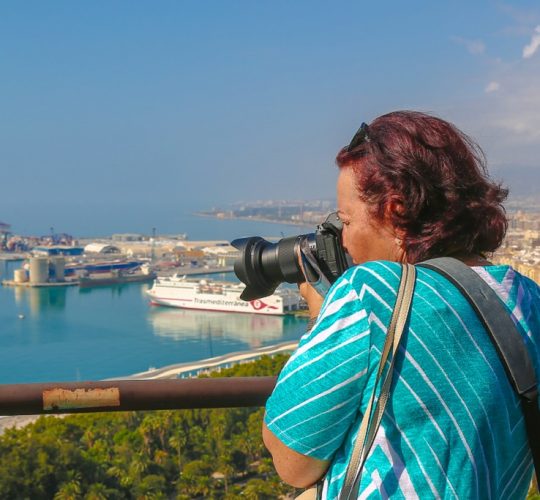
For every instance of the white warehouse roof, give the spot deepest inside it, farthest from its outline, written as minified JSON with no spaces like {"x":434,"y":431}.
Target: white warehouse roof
{"x":100,"y":248}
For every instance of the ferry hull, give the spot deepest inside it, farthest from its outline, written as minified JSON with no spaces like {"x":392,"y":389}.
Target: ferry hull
{"x":215,"y":296}
{"x":237,"y":306}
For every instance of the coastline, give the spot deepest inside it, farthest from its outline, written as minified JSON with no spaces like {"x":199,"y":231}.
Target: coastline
{"x":254,"y":219}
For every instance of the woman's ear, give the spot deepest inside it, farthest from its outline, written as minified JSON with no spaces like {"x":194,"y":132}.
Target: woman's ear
{"x":394,"y":210}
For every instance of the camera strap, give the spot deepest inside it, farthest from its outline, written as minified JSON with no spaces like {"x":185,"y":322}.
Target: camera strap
{"x":506,"y":338}
{"x":374,"y":412}
{"x":312,"y":271}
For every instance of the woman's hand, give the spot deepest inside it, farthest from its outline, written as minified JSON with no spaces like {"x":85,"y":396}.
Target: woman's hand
{"x":312,"y":298}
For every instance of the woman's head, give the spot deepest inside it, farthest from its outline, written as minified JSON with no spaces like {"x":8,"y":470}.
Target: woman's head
{"x":425,"y":182}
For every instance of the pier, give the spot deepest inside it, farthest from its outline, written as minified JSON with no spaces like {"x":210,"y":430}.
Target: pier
{"x":10,"y":256}
{"x":180,"y":271}
{"x":27,"y":284}
{"x":191,"y":369}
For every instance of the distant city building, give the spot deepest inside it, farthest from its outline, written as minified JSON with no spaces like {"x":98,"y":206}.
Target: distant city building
{"x":524,"y":221}
{"x":101,"y":248}
{"x":521,"y":248}
{"x":49,"y":251}
{"x":176,"y":237}
{"x":228,"y":259}
{"x":4,"y":232}
{"x":187,"y":255}
{"x":128,"y":237}
{"x":289,"y":212}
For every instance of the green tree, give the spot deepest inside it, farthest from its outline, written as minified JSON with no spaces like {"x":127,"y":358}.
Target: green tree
{"x":70,"y":490}
{"x":99,"y":491}
{"x":189,"y":453}
{"x":151,"y":487}
{"x":258,"y":489}
{"x":195,"y":479}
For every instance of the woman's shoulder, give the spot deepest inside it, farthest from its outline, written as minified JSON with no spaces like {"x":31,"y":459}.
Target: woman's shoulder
{"x":377,"y":278}
{"x":384,"y":277}
{"x":512,"y":287}
{"x":516,"y":278}
{"x":509,"y":283}
{"x":372,"y":271}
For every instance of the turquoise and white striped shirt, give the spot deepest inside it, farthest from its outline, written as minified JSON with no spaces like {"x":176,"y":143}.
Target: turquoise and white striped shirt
{"x":453,"y":427}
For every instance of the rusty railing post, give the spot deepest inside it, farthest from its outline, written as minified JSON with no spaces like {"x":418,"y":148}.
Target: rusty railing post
{"x":125,"y":395}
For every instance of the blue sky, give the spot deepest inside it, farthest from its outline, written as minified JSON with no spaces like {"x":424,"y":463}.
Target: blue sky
{"x":143,"y":109}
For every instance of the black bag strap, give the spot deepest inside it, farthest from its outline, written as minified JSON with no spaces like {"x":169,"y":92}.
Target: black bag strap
{"x":505,"y":336}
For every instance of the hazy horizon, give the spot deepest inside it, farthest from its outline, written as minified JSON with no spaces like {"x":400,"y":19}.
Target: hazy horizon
{"x":86,"y":218}
{"x":133,"y":112}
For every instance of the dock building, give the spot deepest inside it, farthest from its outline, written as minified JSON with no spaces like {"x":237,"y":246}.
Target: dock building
{"x":49,"y":251}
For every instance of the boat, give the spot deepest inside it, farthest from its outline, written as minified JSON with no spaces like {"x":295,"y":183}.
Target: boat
{"x":115,"y":278}
{"x":92,"y":267}
{"x":212,"y":295}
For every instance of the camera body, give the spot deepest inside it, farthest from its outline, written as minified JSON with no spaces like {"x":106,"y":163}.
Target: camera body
{"x":263,"y":266}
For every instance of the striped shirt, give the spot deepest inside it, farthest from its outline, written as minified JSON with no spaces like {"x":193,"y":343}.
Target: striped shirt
{"x":453,"y":427}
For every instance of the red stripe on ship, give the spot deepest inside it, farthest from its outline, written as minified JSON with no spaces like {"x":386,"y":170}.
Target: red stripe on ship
{"x":259,"y":304}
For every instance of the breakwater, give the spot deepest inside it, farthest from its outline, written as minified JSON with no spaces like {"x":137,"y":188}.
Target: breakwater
{"x":193,"y":369}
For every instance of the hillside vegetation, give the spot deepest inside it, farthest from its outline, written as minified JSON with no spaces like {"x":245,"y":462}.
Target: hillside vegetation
{"x":163,"y":454}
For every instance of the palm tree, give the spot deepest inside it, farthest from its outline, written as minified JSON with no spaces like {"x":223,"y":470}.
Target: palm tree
{"x":70,"y":490}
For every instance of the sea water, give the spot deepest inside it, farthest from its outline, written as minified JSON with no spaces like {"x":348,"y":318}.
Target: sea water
{"x":71,"y":333}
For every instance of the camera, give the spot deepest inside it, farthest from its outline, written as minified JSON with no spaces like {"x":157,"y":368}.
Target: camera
{"x":263,"y":266}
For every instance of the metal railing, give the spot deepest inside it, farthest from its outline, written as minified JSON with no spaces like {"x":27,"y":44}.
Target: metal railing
{"x":127,"y":395}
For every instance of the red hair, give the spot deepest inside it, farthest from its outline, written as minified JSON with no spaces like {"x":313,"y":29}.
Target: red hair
{"x":435,"y":178}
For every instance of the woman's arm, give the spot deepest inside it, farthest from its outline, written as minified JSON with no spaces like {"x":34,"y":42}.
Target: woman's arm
{"x":315,"y":402}
{"x":293,"y":468}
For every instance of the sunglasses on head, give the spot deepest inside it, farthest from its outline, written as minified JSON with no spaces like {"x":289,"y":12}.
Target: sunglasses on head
{"x":360,"y":137}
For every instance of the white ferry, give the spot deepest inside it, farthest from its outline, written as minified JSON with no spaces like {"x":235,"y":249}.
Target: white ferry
{"x":219,"y":296}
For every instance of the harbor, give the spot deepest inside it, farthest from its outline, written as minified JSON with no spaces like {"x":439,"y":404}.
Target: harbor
{"x":165,"y":262}
{"x":70,"y":333}
{"x":124,"y":259}
{"x":53,"y":329}
{"x":112,"y":279}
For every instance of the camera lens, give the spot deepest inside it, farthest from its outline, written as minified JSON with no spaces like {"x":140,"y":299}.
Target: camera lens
{"x":263,"y":266}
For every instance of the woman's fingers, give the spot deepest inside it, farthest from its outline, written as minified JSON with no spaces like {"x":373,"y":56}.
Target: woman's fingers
{"x":312,"y":298}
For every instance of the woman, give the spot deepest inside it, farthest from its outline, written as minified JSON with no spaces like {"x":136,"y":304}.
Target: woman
{"x":410,"y":187}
